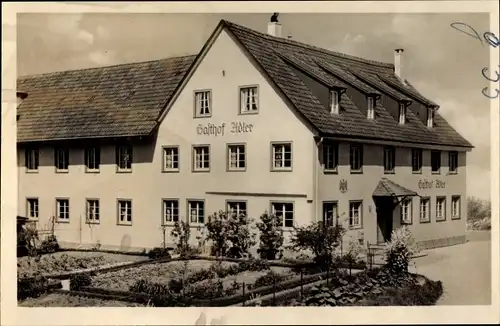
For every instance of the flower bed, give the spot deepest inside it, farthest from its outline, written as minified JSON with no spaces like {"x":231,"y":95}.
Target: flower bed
{"x":62,"y":300}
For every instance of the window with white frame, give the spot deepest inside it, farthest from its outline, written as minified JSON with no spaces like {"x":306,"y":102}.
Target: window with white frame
{"x":62,"y":207}
{"x":237,"y":207}
{"x":236,"y":157}
{"x":284,"y":211}
{"x":416,"y":159}
{"x":203,"y":103}
{"x":356,"y":157}
{"x":329,"y":213}
{"x":201,"y":158}
{"x":371,"y":108}
{"x":355,"y":212}
{"x":124,"y":211}
{"x":425,"y":205}
{"x":124,"y":158}
{"x":334,"y":102}
{"x":93,"y":211}
{"x":389,"y":159}
{"x":170,"y":211}
{"x":32,"y":208}
{"x":435,"y":161}
{"x":249,"y":97}
{"x":430,"y":118}
{"x":282,"y":156}
{"x":92,"y":158}
{"x":196,"y":211}
{"x":330,"y":156}
{"x":61,"y":158}
{"x":406,"y":211}
{"x":455,"y":207}
{"x":402,"y":113}
{"x":32,"y":159}
{"x":440,"y":208}
{"x":453,"y":161}
{"x":171,"y":158}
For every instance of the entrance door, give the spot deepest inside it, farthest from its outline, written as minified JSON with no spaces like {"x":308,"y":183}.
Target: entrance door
{"x":385,"y":209}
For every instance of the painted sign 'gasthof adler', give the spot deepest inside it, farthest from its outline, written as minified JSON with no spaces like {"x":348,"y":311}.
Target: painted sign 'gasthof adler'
{"x":286,"y":128}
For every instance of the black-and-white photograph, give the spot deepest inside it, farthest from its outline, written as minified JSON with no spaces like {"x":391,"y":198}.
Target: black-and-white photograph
{"x":268,"y":159}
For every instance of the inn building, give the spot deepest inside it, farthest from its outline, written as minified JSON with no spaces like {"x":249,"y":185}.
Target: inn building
{"x":254,"y":122}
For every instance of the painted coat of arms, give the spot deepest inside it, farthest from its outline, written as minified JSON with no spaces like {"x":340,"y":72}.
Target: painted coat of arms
{"x":343,"y":186}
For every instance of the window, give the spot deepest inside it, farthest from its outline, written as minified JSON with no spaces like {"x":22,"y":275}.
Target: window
{"x":371,"y":108}
{"x":201,"y":158}
{"x":330,"y":156}
{"x":124,"y":158}
{"x":170,"y":211}
{"x":124,"y":211}
{"x":453,"y":162}
{"x":440,"y":209}
{"x":171,"y":158}
{"x":389,"y":159}
{"x":61,"y":159}
{"x":284,"y":211}
{"x":402,"y":114}
{"x":92,"y":211}
{"x":249,"y":97}
{"x":31,"y":157}
{"x":236,"y":157}
{"x":282,"y":156}
{"x":455,"y":207}
{"x":406,"y":212}
{"x":92,"y":159}
{"x":425,"y":210}
{"x":32,"y":209}
{"x":356,"y":158}
{"x":430,"y":118}
{"x":329,"y":213}
{"x":436,"y":161}
{"x":62,"y":208}
{"x":237,"y":207}
{"x":355,"y":214}
{"x":416,"y":159}
{"x":196,"y":211}
{"x":334,"y":102}
{"x":203,"y":100}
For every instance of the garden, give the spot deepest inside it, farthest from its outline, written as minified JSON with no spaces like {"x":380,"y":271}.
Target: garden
{"x":319,"y":275}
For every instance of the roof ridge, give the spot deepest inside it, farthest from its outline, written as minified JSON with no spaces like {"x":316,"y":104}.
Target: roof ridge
{"x":312,"y":47}
{"x":47,"y":74}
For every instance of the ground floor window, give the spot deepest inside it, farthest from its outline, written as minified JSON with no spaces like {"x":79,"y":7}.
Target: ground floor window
{"x":196,"y":211}
{"x":406,"y":212}
{"x":32,"y":208}
{"x":170,"y":211}
{"x":62,"y":206}
{"x":237,"y":207}
{"x":355,"y":212}
{"x":440,"y":208}
{"x":455,"y":207}
{"x":425,"y":209}
{"x":92,"y":211}
{"x":329,"y":213}
{"x":124,"y":211}
{"x":285,"y":211}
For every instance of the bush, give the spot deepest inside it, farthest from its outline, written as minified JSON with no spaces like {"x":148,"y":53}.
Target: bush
{"x":271,"y":236}
{"x":50,"y":245}
{"x":271,"y":278}
{"x":254,"y":265}
{"x":31,"y":287}
{"x":158,"y":252}
{"x":181,"y":233}
{"x":478,"y":209}
{"x":240,"y":235}
{"x":217,"y":233}
{"x":400,"y":250}
{"x":78,"y":281}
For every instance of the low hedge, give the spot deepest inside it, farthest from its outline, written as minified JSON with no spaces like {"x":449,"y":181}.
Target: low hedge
{"x":33,"y":287}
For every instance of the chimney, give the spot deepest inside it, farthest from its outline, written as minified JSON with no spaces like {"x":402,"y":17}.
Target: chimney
{"x":398,"y":64}
{"x":274,"y":27}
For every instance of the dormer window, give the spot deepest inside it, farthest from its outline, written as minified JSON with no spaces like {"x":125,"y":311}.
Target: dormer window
{"x":334,"y":102}
{"x":430,"y":118}
{"x":402,"y":113}
{"x":371,"y":108}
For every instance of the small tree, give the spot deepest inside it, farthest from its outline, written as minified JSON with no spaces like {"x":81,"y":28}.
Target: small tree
{"x":217,"y":232}
{"x":182,"y":232}
{"x":320,"y":238}
{"x":400,"y":250}
{"x":240,"y":234}
{"x":271,"y":236}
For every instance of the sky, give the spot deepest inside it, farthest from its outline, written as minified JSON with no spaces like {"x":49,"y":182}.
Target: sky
{"x":443,"y":63}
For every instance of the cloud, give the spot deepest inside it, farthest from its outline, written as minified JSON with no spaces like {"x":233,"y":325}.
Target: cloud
{"x":68,"y":28}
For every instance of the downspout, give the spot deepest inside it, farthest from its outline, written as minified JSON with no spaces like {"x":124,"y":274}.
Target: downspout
{"x":316,"y":186}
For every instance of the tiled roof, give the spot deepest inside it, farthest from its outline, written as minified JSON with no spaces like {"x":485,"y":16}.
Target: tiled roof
{"x":388,"y":188}
{"x":122,"y":100}
{"x":276,"y":56}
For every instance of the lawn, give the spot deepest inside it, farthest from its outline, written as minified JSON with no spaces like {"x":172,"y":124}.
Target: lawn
{"x":62,"y":300}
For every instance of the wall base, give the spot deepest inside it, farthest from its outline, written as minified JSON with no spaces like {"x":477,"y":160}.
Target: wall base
{"x":442,"y":242}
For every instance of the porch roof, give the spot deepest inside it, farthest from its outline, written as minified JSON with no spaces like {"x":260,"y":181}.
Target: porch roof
{"x":388,"y":188}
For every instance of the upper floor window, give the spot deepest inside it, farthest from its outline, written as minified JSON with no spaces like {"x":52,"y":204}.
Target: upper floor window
{"x":430,"y":118}
{"x":331,"y":156}
{"x":203,"y":103}
{"x":416,"y":160}
{"x":32,"y":209}
{"x":453,"y":162}
{"x":124,"y":158}
{"x":32,"y":159}
{"x":236,"y":157}
{"x":402,"y":113}
{"x":249,"y":99}
{"x":201,"y":158}
{"x":61,"y":159}
{"x":92,"y":211}
{"x":124,"y":211}
{"x":282,"y":156}
{"x":334,"y":102}
{"x":371,"y":108}
{"x":389,"y":159}
{"x":284,"y":211}
{"x":62,"y":206}
{"x":171,"y":158}
{"x":237,"y":207}
{"x":436,"y":161}
{"x":92,"y":159}
{"x":356,"y":158}
{"x":196,"y":211}
{"x":170,"y":211}
{"x":355,"y":212}
{"x":406,"y":216}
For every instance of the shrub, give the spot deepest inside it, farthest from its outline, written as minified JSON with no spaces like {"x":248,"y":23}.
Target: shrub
{"x":217,"y":232}
{"x":31,"y":287}
{"x":159,"y":294}
{"x":49,"y":245}
{"x":254,"y":265}
{"x":182,"y":232}
{"x":240,"y":235}
{"x":478,"y":209}
{"x":78,"y":281}
{"x":159,"y":252}
{"x":400,"y":250}
{"x":271,"y":236}
{"x":271,"y":278}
